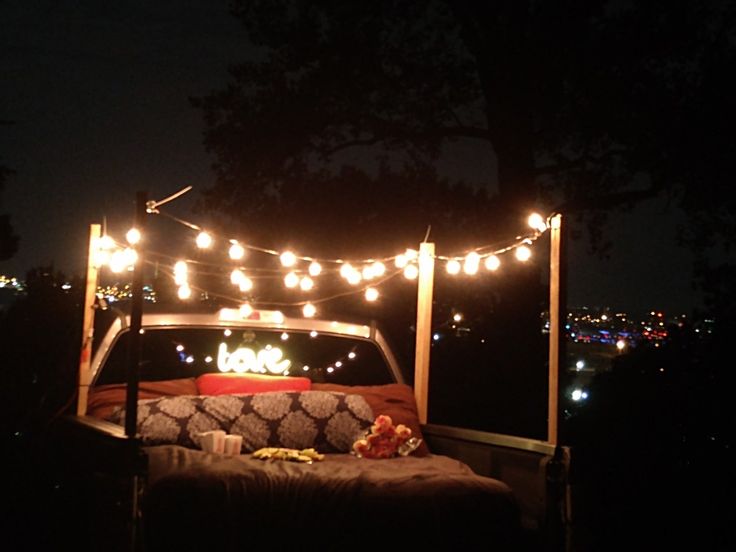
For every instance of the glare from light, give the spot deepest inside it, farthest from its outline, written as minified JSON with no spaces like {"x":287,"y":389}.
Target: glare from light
{"x":245,"y":310}
{"x":330,"y":369}
{"x":133,"y":236}
{"x":106,"y":242}
{"x":401,"y":261}
{"x":580,"y":364}
{"x":309,"y":310}
{"x":620,"y":344}
{"x":472,"y":261}
{"x":236,"y":251}
{"x":291,"y":280}
{"x":537,"y":222}
{"x":453,"y":267}
{"x":457,"y":317}
{"x":351,"y":355}
{"x":577,"y":395}
{"x":315,"y":269}
{"x":313,"y":333}
{"x":354,"y":278}
{"x":436,"y":337}
{"x":208,"y":359}
{"x":284,"y":336}
{"x":346,"y":270}
{"x":306,"y":283}
{"x":492,"y":262}
{"x":523,"y":253}
{"x":371,"y":294}
{"x":180,"y":348}
{"x":411,"y":272}
{"x":204,"y":240}
{"x":236,"y":276}
{"x":118,"y":262}
{"x":411,"y":254}
{"x":287,"y":259}
{"x":228,"y":332}
{"x":246,"y":284}
{"x":379,"y":269}
{"x":184,"y":292}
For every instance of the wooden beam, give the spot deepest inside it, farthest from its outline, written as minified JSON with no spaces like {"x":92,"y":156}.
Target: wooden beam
{"x":88,"y":320}
{"x":425,"y":287}
{"x":556,"y":321}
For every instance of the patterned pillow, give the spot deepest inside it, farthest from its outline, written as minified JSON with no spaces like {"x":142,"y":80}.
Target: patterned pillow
{"x":326,"y":421}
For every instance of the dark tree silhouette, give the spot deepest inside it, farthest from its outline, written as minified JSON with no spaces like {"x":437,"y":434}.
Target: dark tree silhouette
{"x":8,"y":240}
{"x":334,"y":124}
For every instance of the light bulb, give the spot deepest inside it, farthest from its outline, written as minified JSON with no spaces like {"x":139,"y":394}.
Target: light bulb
{"x":287,"y":258}
{"x":472,"y":260}
{"x":236,"y":251}
{"x":371,"y":294}
{"x":133,"y":236}
{"x":306,"y":283}
{"x":184,"y":292}
{"x":537,"y":222}
{"x":453,"y":266}
{"x":236,"y":276}
{"x":315,"y":268}
{"x":523,"y":253}
{"x":246,"y":310}
{"x":204,"y":240}
{"x":379,"y":269}
{"x":245,"y":284}
{"x":291,"y":280}
{"x":492,"y":262}
{"x":309,"y":310}
{"x":411,"y":272}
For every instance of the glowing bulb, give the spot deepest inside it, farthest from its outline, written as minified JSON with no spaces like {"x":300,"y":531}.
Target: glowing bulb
{"x":492,"y":262}
{"x":411,"y":254}
{"x":133,"y":236}
{"x":411,"y":272}
{"x":245,"y":284}
{"x":288,"y":258}
{"x":130,"y":256}
{"x":245,"y":310}
{"x":354,"y":278}
{"x":291,"y":280}
{"x":351,"y":355}
{"x":236,"y":276}
{"x":457,"y":317}
{"x":401,"y":261}
{"x":472,"y":260}
{"x":315,"y":268}
{"x":309,"y":310}
{"x":236,"y":251}
{"x":523,"y":253}
{"x":379,"y":269}
{"x":118,"y":262}
{"x":346,"y":269}
{"x":278,"y":317}
{"x":368,"y":272}
{"x":106,"y":242}
{"x":204,"y":240}
{"x":185,"y":292}
{"x":284,"y":336}
{"x":306,"y":283}
{"x":371,"y":294}
{"x":453,"y":266}
{"x":537,"y":222}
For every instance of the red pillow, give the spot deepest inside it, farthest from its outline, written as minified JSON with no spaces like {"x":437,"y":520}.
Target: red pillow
{"x":229,"y":384}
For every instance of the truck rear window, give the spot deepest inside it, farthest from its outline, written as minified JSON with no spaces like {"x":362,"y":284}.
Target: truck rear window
{"x":172,"y":353}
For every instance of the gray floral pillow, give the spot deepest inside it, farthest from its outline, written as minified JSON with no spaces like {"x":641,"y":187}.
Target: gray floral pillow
{"x":324,"y":420}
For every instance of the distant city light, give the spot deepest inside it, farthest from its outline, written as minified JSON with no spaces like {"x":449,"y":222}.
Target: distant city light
{"x":580,"y":364}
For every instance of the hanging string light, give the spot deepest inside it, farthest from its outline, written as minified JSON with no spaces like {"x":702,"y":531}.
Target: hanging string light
{"x":371,"y":270}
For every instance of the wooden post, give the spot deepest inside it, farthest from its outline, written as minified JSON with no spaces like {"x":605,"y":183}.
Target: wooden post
{"x":424,"y":328}
{"x":88,"y":321}
{"x":556,"y":321}
{"x":136,"y":314}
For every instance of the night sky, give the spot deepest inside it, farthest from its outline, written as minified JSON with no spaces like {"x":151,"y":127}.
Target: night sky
{"x":98,"y":93}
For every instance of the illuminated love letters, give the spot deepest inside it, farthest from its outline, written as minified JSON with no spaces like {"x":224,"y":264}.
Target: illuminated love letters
{"x":245,"y":359}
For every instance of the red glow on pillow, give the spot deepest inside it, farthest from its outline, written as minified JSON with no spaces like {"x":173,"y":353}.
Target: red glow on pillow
{"x":229,"y":384}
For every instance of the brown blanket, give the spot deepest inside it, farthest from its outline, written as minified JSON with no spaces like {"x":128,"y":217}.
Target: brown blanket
{"x":203,"y":501}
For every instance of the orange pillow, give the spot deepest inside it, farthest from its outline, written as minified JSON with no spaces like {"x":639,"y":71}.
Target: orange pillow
{"x":229,"y":384}
{"x":103,"y":399}
{"x":392,"y":399}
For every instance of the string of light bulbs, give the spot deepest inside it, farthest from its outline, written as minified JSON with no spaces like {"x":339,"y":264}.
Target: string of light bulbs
{"x":119,"y":256}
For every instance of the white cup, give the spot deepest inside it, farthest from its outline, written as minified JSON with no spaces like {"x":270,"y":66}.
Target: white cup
{"x":233,"y":444}
{"x":212,"y":441}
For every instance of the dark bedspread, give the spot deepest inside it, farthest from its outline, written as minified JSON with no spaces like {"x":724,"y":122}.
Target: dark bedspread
{"x":202,"y":501}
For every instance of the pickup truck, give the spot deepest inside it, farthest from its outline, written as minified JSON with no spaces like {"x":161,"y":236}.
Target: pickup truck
{"x":107,"y":472}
